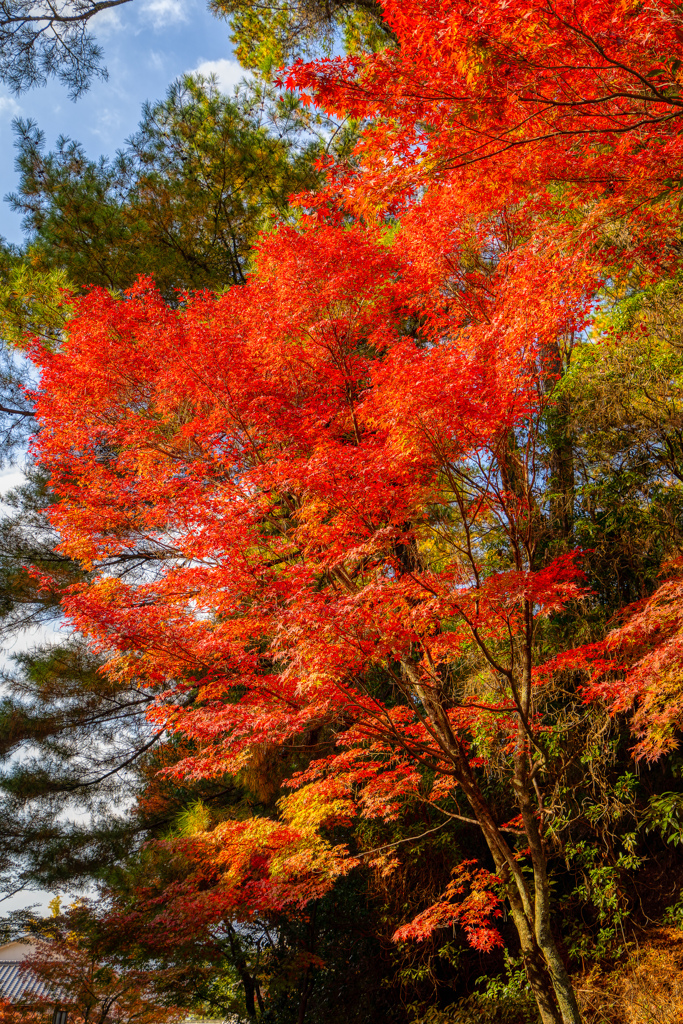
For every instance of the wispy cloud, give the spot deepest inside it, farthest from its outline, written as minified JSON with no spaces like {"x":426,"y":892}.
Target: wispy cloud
{"x":108,"y":23}
{"x":107,"y":124}
{"x":9,"y":107}
{"x":165,"y":12}
{"x":157,"y":60}
{"x":228,"y":72}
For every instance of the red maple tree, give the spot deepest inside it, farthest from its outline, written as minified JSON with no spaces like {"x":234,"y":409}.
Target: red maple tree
{"x":286,"y":496}
{"x":315,"y":505}
{"x":586,"y":93}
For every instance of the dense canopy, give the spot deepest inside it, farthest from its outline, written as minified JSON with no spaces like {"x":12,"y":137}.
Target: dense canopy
{"x":381,"y":513}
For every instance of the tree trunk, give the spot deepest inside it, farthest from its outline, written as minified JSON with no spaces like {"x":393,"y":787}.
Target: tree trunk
{"x":534,"y":964}
{"x":538,"y":969}
{"x":562,"y":986}
{"x":248,"y":983}
{"x":304,"y":992}
{"x":548,"y":977}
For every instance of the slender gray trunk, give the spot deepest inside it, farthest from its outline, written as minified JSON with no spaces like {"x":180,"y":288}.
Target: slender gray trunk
{"x":548,"y":977}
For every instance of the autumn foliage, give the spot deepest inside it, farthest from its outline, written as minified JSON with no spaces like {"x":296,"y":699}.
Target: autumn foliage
{"x":72,"y":968}
{"x":315,"y":510}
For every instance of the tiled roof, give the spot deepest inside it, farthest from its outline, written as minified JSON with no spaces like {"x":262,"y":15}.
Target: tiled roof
{"x":211,"y":1020}
{"x":15,"y":983}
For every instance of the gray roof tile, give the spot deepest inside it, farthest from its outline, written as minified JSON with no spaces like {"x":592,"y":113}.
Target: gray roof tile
{"x":15,"y":983}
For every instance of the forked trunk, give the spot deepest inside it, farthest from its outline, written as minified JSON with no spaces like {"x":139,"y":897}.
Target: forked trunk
{"x":548,"y":978}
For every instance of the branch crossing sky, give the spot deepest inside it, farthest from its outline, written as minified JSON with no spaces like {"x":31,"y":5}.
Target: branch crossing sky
{"x":147,"y":44}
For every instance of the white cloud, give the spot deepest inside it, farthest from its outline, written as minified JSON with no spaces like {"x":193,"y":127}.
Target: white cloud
{"x":156,"y":60}
{"x":106,"y":124}
{"x":9,"y":107}
{"x":108,"y":23}
{"x":228,"y":72}
{"x":165,"y":12}
{"x":11,"y":478}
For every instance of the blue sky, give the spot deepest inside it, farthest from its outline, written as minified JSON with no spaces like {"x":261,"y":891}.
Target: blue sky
{"x":147,"y":43}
